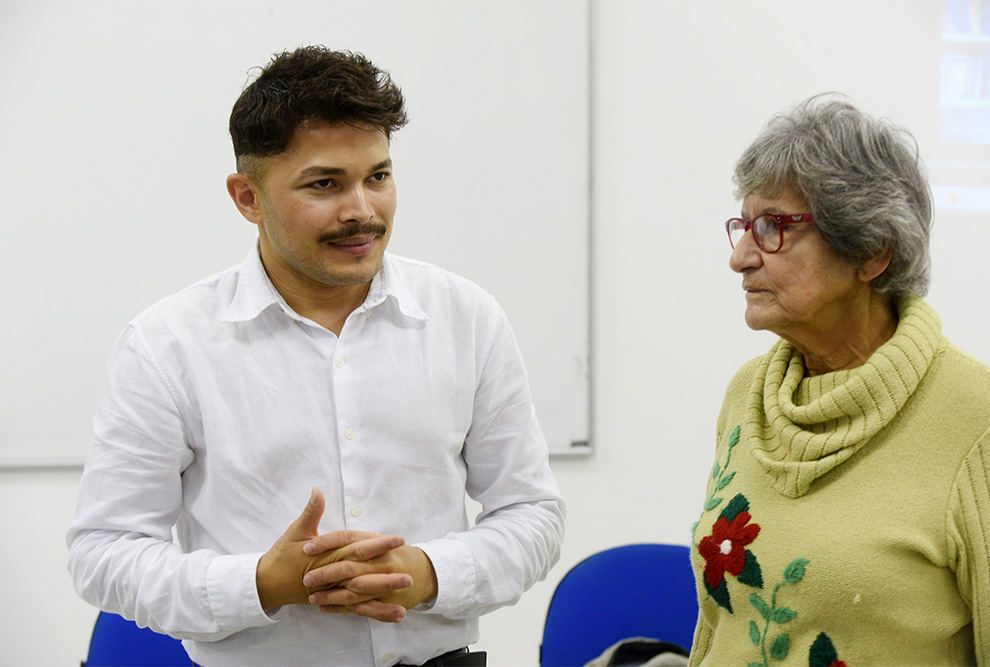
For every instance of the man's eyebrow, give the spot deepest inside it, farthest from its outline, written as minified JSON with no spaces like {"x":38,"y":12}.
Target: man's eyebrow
{"x":318,"y":170}
{"x":321,"y":171}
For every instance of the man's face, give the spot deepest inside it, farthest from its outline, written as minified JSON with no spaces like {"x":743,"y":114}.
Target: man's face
{"x":327,"y":204}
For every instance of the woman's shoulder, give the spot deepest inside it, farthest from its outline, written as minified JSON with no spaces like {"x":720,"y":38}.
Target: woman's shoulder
{"x":962,"y":376}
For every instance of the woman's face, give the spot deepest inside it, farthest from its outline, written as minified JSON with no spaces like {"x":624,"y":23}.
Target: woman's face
{"x":801,"y":292}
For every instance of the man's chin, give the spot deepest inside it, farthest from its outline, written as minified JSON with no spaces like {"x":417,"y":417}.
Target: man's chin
{"x":360,"y":274}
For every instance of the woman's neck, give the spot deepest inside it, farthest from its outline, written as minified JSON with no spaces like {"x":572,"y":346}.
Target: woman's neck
{"x":850,"y":343}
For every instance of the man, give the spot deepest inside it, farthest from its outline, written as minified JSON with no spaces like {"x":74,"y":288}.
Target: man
{"x":380,"y":388}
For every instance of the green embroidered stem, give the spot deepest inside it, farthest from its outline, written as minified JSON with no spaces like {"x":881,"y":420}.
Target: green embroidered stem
{"x":780,"y":646}
{"x":766,"y":626}
{"x":722,"y":480}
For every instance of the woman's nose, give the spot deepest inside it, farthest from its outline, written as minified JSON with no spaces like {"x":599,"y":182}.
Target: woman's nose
{"x":746,"y":254}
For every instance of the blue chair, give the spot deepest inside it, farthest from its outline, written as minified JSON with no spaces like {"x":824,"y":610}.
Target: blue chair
{"x":118,"y":642}
{"x":636,"y":590}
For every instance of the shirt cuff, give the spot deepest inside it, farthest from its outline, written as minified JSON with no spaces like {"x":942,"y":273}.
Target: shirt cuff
{"x":232,"y":593}
{"x":456,"y":578}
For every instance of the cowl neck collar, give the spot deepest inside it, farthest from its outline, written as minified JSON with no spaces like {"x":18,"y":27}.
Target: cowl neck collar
{"x":802,"y":427}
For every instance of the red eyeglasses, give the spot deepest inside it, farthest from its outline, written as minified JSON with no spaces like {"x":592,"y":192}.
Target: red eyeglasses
{"x":768,"y":229}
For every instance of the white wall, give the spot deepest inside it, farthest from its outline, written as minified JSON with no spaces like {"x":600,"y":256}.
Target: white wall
{"x":680,"y":87}
{"x":132,"y":116}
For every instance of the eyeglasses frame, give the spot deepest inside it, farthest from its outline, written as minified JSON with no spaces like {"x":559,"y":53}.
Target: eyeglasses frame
{"x":782,"y":221}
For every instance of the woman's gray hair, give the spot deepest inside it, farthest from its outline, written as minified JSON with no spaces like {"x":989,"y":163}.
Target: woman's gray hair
{"x":862,"y":178}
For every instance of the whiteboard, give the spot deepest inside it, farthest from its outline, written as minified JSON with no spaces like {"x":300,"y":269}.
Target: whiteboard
{"x":115,"y":144}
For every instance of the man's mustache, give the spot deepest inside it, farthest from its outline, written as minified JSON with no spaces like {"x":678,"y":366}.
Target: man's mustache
{"x":376,"y":228}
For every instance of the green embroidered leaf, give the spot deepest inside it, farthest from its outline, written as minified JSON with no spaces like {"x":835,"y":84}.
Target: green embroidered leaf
{"x":720,"y":595}
{"x":794,"y":572}
{"x":782,"y":615}
{"x":760,"y":605}
{"x":754,"y":633}
{"x":734,"y":438}
{"x":736,"y":505}
{"x":724,"y":482}
{"x":822,"y":652}
{"x":694,"y":528}
{"x":716,"y":470}
{"x":751,"y":574}
{"x":756,"y":664}
{"x":712,"y":503}
{"x":780,"y":646}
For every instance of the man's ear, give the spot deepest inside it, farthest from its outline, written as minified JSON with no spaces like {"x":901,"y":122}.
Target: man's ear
{"x":246,"y":196}
{"x":874,"y":267}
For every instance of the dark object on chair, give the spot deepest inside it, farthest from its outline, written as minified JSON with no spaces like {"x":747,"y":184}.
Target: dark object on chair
{"x":636,"y":590}
{"x":118,"y":642}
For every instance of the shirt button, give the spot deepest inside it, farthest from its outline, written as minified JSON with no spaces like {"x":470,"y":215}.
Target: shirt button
{"x":349,"y":433}
{"x":339,"y":362}
{"x":356,"y":511}
{"x":387,"y":658}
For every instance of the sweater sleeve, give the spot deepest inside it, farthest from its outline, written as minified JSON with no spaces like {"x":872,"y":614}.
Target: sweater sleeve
{"x":969,"y":540}
{"x":702,"y":643}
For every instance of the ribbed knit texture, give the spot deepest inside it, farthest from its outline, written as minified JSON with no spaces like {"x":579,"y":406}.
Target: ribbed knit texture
{"x":801,"y":427}
{"x":847,"y":517}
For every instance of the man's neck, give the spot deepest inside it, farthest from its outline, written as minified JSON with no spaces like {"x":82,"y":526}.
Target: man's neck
{"x":330,"y":307}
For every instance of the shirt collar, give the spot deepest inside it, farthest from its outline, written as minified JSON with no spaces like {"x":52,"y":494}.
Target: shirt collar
{"x":255,"y":292}
{"x":388,"y":287}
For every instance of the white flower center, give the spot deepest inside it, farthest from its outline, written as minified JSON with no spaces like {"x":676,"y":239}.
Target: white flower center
{"x":725,"y":547}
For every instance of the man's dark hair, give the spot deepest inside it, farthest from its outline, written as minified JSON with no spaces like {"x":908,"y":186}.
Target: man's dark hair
{"x":312,"y":83}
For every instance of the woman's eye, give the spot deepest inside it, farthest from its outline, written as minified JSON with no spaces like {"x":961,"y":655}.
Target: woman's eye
{"x":765,"y":225}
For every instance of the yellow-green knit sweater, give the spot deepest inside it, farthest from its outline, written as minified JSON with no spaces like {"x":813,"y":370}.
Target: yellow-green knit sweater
{"x":847,"y":518}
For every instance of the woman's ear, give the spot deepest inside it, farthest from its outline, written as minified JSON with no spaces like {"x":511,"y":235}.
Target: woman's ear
{"x":246,"y":196}
{"x":874,"y":267}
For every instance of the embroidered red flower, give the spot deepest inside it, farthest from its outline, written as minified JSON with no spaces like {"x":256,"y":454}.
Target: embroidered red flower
{"x":724,"y":550}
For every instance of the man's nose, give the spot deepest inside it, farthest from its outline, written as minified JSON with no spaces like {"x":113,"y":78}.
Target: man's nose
{"x":357,"y":208}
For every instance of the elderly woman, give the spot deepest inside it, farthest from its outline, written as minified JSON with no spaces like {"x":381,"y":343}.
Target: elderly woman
{"x":847,"y":519}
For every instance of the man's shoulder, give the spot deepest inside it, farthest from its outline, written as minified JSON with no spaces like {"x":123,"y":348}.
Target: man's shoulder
{"x":204,"y":299}
{"x":422,"y":278}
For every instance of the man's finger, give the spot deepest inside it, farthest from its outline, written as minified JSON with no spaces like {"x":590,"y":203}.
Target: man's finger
{"x":360,"y":588}
{"x":379,"y":611}
{"x":353,"y":544}
{"x":308,"y":523}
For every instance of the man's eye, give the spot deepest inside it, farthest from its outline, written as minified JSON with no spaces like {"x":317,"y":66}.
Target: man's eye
{"x":379,"y":176}
{"x":322,"y":184}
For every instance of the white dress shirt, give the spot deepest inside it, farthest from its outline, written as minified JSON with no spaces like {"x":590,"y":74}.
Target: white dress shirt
{"x":222,"y":408}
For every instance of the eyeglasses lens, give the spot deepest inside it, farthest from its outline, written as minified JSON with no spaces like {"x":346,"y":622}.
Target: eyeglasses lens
{"x":737,"y":229}
{"x":767,"y":232}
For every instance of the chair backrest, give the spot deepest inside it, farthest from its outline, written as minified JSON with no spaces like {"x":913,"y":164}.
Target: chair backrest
{"x":118,"y":642}
{"x":636,"y":590}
